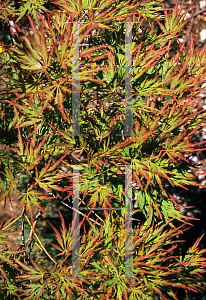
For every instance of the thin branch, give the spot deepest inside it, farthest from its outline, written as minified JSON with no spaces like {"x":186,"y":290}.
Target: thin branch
{"x":39,"y":240}
{"x":199,"y":12}
{"x":76,"y":209}
{"x":22,"y":236}
{"x":38,"y":215}
{"x":81,"y":213}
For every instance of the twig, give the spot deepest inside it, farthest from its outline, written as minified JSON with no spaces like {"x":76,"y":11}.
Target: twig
{"x":39,"y":214}
{"x":81,"y":213}
{"x":39,"y":240}
{"x":22,"y":236}
{"x":199,"y":12}
{"x":77,"y":210}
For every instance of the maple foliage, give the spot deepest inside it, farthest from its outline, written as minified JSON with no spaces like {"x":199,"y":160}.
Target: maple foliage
{"x":37,"y":139}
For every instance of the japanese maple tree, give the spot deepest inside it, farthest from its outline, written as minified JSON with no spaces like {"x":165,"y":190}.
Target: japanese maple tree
{"x":97,"y":163}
